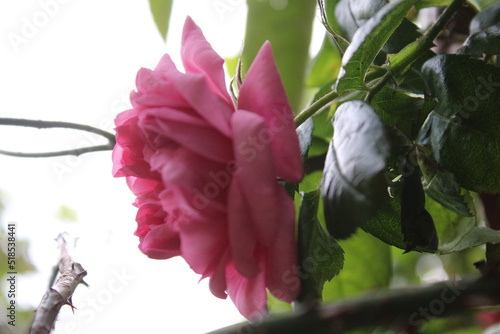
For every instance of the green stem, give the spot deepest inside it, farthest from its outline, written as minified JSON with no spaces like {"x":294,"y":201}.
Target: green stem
{"x":55,"y":124}
{"x":426,"y":42}
{"x":315,"y":107}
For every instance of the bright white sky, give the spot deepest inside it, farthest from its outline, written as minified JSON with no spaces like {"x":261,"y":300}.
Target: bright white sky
{"x":79,"y":65}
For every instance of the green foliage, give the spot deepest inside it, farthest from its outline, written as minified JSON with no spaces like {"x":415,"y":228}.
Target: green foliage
{"x":417,"y":224}
{"x":367,"y":42}
{"x":320,"y":256}
{"x":486,"y":18}
{"x":486,"y":41}
{"x":398,"y":109}
{"x":462,"y":131}
{"x":404,"y":163}
{"x":161,"y":14}
{"x":444,"y":188}
{"x":367,"y":267}
{"x":353,"y":185}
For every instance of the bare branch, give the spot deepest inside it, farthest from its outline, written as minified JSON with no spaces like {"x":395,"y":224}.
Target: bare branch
{"x":402,"y":310}
{"x":55,"y":124}
{"x":71,"y":275}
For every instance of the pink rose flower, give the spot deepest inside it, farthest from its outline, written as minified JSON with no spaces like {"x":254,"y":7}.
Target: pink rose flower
{"x":205,"y":172}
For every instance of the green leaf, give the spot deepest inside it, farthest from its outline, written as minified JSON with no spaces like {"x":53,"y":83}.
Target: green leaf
{"x":483,"y":42}
{"x":406,"y":33}
{"x":161,"y":14}
{"x":485,"y":18}
{"x":368,"y":41}
{"x":351,"y":15}
{"x":320,"y":256}
{"x":417,"y":224}
{"x":386,"y":224}
{"x":289,"y":31}
{"x":311,"y":182}
{"x":462,"y":132}
{"x":400,"y":110}
{"x":304,"y":132}
{"x":443,"y":188}
{"x":483,"y":3}
{"x":405,"y":223}
{"x":353,"y":185}
{"x":367,"y":267}
{"x":458,"y":233}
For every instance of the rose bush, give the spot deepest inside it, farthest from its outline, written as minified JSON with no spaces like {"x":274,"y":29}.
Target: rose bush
{"x":205,"y":172}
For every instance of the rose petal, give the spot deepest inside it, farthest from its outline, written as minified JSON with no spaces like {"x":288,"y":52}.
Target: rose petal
{"x":283,"y":281}
{"x":218,"y":283}
{"x":193,"y":178}
{"x":160,"y":243}
{"x":145,"y":189}
{"x":147,"y":215}
{"x":203,"y":244}
{"x":248,"y":294}
{"x":201,"y":98}
{"x":263,"y":93}
{"x":154,"y":88}
{"x":198,"y":56}
{"x":179,"y":127}
{"x":256,"y":174}
{"x":241,"y":234}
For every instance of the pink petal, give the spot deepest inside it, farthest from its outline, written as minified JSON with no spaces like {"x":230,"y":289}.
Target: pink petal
{"x":160,"y":243}
{"x":181,"y":205}
{"x":203,"y":244}
{"x":199,"y":57}
{"x":190,"y":132}
{"x":154,"y":88}
{"x":256,"y":174}
{"x":218,"y":283}
{"x":194,"y":178}
{"x":248,"y":294}
{"x":118,"y":161}
{"x":242,"y":239}
{"x":263,"y":93}
{"x":147,"y":215}
{"x":283,"y":281}
{"x":201,"y":98}
{"x":127,"y":155}
{"x":140,"y":186}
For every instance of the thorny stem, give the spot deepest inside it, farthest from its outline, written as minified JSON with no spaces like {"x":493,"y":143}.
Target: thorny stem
{"x":71,"y":274}
{"x":55,"y":124}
